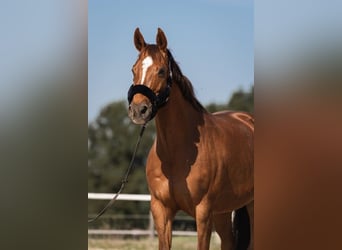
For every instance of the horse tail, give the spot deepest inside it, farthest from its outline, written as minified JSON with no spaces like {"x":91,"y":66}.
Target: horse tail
{"x":241,"y":229}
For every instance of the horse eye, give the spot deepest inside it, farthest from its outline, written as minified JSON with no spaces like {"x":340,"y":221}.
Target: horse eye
{"x":161,"y":72}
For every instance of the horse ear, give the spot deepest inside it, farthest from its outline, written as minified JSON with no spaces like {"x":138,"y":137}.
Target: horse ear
{"x":139,"y":40}
{"x":161,"y":40}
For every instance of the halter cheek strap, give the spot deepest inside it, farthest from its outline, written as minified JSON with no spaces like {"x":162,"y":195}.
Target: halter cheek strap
{"x":157,"y":101}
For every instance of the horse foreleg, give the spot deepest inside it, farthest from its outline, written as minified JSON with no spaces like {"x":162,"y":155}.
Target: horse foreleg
{"x":163,"y":218}
{"x":204,"y":223}
{"x":223,"y":226}
{"x":250,"y":209}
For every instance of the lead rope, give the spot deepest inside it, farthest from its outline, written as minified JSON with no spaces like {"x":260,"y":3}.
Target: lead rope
{"x":124,"y":180}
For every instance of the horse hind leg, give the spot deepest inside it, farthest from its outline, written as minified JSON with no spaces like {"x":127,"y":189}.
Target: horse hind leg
{"x":250,"y":209}
{"x":243,"y":227}
{"x":223,"y":226}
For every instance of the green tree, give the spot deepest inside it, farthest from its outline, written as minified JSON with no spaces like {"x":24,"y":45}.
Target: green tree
{"x":239,"y":101}
{"x":242,"y":101}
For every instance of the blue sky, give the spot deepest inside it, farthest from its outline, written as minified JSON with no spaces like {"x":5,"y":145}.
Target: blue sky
{"x":286,"y":31}
{"x":212,"y":41}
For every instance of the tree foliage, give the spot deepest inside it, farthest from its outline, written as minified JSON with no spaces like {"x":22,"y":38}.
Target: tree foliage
{"x":239,"y":101}
{"x":243,"y":101}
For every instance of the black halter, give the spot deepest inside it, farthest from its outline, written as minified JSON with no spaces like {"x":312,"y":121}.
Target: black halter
{"x":157,"y":100}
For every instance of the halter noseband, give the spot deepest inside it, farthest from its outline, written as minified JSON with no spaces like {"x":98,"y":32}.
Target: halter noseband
{"x":157,"y":100}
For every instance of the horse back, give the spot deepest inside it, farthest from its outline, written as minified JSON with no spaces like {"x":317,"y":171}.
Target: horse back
{"x":233,"y":116}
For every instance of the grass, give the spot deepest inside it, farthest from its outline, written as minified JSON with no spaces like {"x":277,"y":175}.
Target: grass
{"x":178,"y":243}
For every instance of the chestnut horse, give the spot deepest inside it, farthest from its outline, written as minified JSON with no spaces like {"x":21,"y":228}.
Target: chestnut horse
{"x":200,"y":163}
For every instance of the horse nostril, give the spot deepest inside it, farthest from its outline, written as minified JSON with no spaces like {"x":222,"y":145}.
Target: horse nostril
{"x":143,"y":109}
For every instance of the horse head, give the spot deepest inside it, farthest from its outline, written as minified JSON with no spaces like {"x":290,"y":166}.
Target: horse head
{"x":151,"y":78}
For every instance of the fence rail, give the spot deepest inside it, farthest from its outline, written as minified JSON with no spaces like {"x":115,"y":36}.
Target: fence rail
{"x":124,"y":197}
{"x":134,"y":232}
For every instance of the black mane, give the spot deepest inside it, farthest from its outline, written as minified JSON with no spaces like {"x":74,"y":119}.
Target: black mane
{"x":184,"y":84}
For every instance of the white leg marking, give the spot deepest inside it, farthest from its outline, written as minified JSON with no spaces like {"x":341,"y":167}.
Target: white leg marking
{"x":146,"y":63}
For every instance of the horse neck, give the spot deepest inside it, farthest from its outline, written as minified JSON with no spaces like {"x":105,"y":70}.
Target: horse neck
{"x":177,"y":123}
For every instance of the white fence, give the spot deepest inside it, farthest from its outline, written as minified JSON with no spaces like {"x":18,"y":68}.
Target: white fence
{"x":124,"y":197}
{"x":136,"y":232}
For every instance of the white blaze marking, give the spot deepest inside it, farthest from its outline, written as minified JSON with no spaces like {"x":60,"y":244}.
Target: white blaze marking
{"x":146,"y":63}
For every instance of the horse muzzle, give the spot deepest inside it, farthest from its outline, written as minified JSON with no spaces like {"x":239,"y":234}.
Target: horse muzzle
{"x":145,"y":110}
{"x":140,"y":113}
